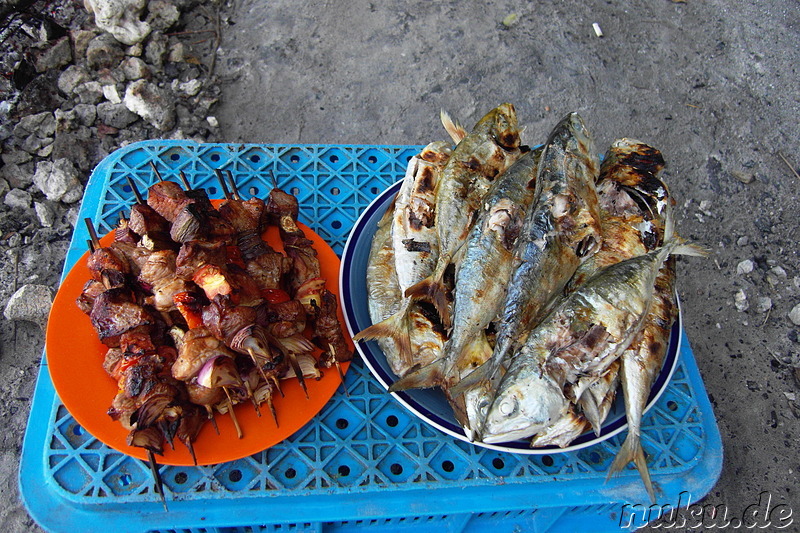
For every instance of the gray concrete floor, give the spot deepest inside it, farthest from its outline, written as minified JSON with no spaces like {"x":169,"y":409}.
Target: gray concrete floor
{"x":712,"y":84}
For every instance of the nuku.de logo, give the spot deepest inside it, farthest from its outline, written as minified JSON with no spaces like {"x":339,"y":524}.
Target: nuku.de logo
{"x":759,"y":515}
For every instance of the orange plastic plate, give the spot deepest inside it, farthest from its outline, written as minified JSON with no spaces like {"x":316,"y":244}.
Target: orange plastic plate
{"x":75,"y":360}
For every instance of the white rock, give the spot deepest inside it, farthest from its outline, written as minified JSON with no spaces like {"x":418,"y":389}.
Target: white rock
{"x":45,"y":214}
{"x":740,"y":300}
{"x":212,"y":121}
{"x":31,"y":303}
{"x":135,"y":69}
{"x":111,"y":94}
{"x":57,"y":180}
{"x":18,"y":198}
{"x":120,"y":18}
{"x":794,"y":315}
{"x":745,"y":267}
{"x":764,"y":304}
{"x":151,"y":103}
{"x":190,"y":88}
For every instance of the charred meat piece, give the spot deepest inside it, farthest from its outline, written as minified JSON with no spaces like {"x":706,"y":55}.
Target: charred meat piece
{"x":328,"y":332}
{"x":114,"y":312}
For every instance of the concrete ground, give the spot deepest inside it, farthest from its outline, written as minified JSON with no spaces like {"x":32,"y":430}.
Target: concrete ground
{"x":712,"y":84}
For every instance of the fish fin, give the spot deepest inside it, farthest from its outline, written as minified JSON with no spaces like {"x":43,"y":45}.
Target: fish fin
{"x":632,"y":450}
{"x":459,"y":406}
{"x":395,"y":327}
{"x":453,"y":128}
{"x":480,"y":374}
{"x":591,"y":412}
{"x":421,"y":377}
{"x":433,"y":290}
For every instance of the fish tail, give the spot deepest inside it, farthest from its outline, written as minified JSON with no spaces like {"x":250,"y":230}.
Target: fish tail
{"x":453,"y":128}
{"x":433,"y":290}
{"x":421,"y":377}
{"x":632,"y":450}
{"x":396,"y":327}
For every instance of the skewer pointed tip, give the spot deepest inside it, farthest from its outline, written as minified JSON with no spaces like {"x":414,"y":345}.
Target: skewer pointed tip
{"x":184,"y":181}
{"x":159,"y":486}
{"x":155,"y":170}
{"x":341,"y":377}
{"x":298,"y":372}
{"x":233,"y":414}
{"x":139,"y":199}
{"x":221,"y":179}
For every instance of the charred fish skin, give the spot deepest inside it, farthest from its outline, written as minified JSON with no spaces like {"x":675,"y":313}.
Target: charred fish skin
{"x":486,"y":152}
{"x":632,"y":200}
{"x":561,"y":230}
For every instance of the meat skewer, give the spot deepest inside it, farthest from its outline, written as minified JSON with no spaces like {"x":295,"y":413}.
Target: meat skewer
{"x":308,"y":285}
{"x":95,"y":246}
{"x":246,"y":217}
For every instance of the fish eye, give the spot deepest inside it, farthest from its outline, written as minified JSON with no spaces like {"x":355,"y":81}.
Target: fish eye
{"x":508,"y":406}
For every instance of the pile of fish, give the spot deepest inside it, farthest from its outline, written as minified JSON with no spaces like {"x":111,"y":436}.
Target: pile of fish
{"x":526,"y":283}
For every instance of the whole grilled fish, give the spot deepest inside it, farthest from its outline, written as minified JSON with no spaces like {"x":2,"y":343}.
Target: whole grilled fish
{"x":583,"y":334}
{"x":560,"y":231}
{"x":486,"y":152}
{"x":632,"y":200}
{"x":641,"y":363}
{"x":383,"y":291}
{"x":414,"y":241}
{"x":481,"y":280}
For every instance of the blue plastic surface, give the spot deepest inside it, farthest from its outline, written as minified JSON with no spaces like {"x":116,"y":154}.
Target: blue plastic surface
{"x":364,"y":461}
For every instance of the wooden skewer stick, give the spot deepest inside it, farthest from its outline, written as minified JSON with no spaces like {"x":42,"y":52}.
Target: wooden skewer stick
{"x":210,"y":412}
{"x":221,"y":179}
{"x":184,"y":181}
{"x":92,"y":233}
{"x":298,"y":372}
{"x":254,"y":358}
{"x":252,"y":397}
{"x":277,"y":383}
{"x":157,"y":478}
{"x":91,"y":245}
{"x":234,"y":189}
{"x":155,"y":171}
{"x":139,"y":199}
{"x":272,"y":410}
{"x":233,"y":415}
{"x":191,"y":451}
{"x":338,"y":369}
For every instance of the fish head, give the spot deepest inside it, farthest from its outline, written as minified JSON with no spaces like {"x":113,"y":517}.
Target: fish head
{"x":523,"y":408}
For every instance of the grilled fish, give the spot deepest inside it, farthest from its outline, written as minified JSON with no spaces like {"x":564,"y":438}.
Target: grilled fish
{"x":414,"y":242}
{"x":641,"y":363}
{"x":560,"y":231}
{"x":486,"y":152}
{"x":583,"y":334}
{"x":481,"y":279}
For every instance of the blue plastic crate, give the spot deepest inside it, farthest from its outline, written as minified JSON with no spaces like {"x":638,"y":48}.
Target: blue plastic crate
{"x":363,"y":461}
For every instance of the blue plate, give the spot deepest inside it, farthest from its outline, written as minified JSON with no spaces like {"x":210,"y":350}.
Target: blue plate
{"x":430,"y":404}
